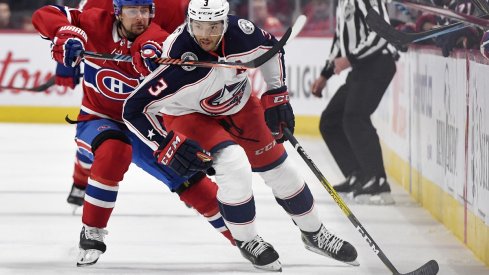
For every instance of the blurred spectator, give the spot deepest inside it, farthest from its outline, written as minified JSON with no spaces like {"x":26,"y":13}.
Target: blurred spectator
{"x":5,"y":14}
{"x":466,"y":38}
{"x":263,"y":19}
{"x":484,"y":45}
{"x":318,"y":18}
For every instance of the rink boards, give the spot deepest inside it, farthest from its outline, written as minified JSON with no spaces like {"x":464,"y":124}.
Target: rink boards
{"x":433,"y":121}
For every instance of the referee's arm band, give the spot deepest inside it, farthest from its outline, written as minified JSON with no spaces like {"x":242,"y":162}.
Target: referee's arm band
{"x":328,"y":69}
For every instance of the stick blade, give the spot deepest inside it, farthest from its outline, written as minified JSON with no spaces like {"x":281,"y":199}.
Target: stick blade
{"x":429,"y":268}
{"x":385,"y":30}
{"x":298,"y":25}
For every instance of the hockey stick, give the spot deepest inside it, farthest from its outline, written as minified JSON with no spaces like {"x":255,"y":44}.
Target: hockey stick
{"x":40,"y":88}
{"x":255,"y":63}
{"x":398,"y":38}
{"x":482,"y":5}
{"x":429,"y":268}
{"x":473,"y":20}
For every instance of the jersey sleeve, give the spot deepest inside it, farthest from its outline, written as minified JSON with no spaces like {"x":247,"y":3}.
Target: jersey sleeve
{"x":141,"y":112}
{"x":373,"y":43}
{"x":153,"y":33}
{"x":48,"y":19}
{"x":253,"y":42}
{"x":100,"y":4}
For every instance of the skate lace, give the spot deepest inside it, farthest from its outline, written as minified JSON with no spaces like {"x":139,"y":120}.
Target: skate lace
{"x":328,"y":241}
{"x":256,"y":246}
{"x":94,"y":233}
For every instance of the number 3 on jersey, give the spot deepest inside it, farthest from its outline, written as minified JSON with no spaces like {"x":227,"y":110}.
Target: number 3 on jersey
{"x":157,"y":88}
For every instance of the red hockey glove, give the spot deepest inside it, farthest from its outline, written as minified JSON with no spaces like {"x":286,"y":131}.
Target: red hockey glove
{"x":143,"y":60}
{"x":183,"y":155}
{"x":68,"y":45}
{"x":278,"y":112}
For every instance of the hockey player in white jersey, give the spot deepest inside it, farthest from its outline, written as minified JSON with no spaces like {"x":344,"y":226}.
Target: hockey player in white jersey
{"x":215,"y":124}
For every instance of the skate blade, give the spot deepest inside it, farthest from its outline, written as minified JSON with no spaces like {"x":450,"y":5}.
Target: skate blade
{"x":378,"y":199}
{"x":274,"y":266}
{"x":88,"y":257}
{"x":73,"y":209}
{"x":322,"y":253}
{"x":347,"y":197}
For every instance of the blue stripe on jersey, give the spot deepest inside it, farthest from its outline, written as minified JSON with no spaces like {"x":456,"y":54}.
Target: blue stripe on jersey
{"x":101,"y":194}
{"x":217,"y":223}
{"x":61,"y":8}
{"x":270,"y":166}
{"x":299,"y":204}
{"x":242,"y":213}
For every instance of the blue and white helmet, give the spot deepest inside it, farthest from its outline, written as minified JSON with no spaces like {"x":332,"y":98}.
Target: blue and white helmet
{"x":118,"y":4}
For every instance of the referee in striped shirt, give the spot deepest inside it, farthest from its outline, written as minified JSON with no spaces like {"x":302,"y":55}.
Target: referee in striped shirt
{"x":345,"y":124}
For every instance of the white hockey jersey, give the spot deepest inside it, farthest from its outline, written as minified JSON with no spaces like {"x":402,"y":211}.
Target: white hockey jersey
{"x":175,"y":90}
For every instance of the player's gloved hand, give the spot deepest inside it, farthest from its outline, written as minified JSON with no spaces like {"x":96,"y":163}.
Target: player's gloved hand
{"x":484,"y":47}
{"x":278,"y":112}
{"x":68,"y":45}
{"x":447,"y":42}
{"x":183,"y":155}
{"x":143,"y":60}
{"x":67,"y":76}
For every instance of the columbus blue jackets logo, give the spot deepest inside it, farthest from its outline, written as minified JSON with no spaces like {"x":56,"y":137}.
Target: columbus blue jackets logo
{"x":224,"y":99}
{"x":115,"y":85}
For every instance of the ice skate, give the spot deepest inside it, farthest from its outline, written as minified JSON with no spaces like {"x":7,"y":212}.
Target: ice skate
{"x":328,"y":244}
{"x":345,"y":189}
{"x":375,"y":191}
{"x":76,"y":197}
{"x":91,"y":245}
{"x":260,"y":253}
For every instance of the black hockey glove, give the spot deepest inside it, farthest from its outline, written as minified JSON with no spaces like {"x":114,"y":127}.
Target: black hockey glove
{"x":278,"y":112}
{"x":183,"y":155}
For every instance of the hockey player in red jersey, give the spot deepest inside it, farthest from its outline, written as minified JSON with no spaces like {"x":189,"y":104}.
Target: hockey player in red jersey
{"x":169,"y":14}
{"x":213,"y":110}
{"x":101,"y":135}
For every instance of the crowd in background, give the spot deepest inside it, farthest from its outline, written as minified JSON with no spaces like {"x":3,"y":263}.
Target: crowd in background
{"x":413,"y":21}
{"x":276,"y":15}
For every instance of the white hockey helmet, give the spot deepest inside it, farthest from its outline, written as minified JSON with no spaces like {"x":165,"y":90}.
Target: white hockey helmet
{"x":208,"y":11}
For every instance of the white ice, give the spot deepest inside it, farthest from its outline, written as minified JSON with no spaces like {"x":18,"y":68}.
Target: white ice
{"x":151,"y":232}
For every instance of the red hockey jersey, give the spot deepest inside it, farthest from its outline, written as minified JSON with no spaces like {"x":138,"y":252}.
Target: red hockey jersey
{"x":106,"y":84}
{"x":169,"y":14}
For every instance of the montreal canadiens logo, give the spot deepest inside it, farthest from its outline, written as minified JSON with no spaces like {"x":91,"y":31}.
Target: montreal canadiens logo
{"x":115,"y":85}
{"x":225,"y":99}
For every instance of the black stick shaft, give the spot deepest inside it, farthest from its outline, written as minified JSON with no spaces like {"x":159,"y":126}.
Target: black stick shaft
{"x":429,"y":268}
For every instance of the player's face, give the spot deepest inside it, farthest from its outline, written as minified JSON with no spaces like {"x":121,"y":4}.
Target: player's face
{"x":135,"y":19}
{"x":207,"y":34}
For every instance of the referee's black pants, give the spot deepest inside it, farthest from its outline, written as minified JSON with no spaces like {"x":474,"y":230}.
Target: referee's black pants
{"x":345,"y":124}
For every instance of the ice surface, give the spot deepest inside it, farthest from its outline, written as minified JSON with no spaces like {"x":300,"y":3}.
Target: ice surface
{"x":152,"y":232}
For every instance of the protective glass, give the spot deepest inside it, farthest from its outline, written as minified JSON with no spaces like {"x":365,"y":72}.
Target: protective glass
{"x":206,"y":28}
{"x":133,"y":12}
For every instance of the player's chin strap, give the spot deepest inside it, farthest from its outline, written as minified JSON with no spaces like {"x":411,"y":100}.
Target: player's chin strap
{"x":429,"y":268}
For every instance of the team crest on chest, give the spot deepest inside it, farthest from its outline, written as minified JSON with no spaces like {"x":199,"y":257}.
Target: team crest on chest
{"x":225,"y":99}
{"x":115,"y":85}
{"x":189,"y":56}
{"x":246,"y":26}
